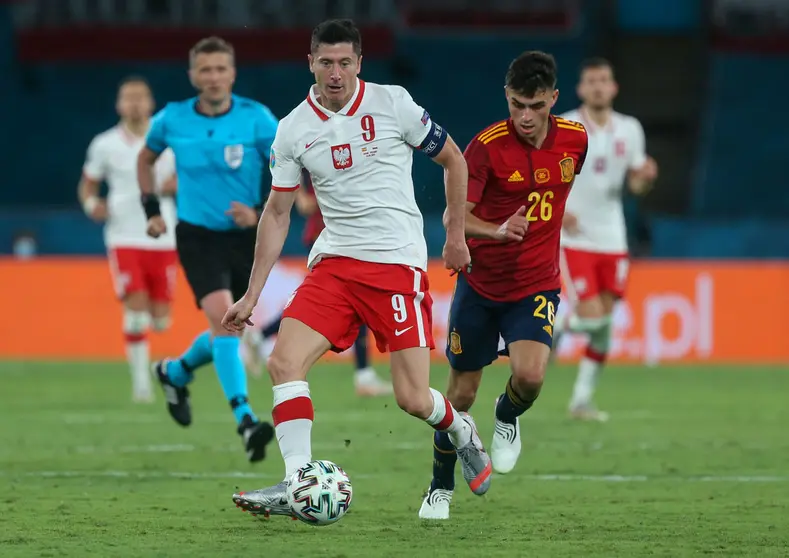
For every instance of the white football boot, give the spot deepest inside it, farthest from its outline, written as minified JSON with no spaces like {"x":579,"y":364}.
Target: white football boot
{"x":436,"y":504}
{"x":587,"y":412}
{"x":506,"y":446}
{"x":368,"y":383}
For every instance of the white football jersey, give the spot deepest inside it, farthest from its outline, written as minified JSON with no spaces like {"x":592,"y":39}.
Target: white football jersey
{"x":596,"y":196}
{"x":359,"y":159}
{"x":112,"y":157}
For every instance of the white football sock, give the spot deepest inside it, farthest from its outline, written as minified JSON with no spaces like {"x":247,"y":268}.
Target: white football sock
{"x":591,"y":365}
{"x":293,"y":415}
{"x":585,"y":382}
{"x":138,"y":356}
{"x":446,"y":419}
{"x":577,"y":324}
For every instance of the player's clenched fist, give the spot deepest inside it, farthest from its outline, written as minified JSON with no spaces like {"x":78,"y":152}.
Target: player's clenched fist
{"x":156,"y":226}
{"x":515,"y":227}
{"x":238,"y":316}
{"x":456,"y":254}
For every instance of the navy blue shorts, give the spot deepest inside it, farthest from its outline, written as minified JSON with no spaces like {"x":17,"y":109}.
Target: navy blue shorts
{"x":475,"y":323}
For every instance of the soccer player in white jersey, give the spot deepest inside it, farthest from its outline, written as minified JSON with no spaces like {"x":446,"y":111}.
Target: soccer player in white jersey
{"x":369,"y":264}
{"x":143,"y":268}
{"x":594,"y":238}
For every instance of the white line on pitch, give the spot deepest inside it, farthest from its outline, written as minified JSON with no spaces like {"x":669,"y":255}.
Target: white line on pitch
{"x":124,"y":417}
{"x":187,"y":448}
{"x":736,"y":479}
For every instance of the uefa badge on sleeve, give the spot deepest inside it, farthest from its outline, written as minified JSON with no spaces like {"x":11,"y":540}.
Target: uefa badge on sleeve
{"x":272,"y":160}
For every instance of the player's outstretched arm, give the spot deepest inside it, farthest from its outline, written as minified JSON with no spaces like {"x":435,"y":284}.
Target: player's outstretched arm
{"x":641,"y":180}
{"x":88,"y":195}
{"x":145,"y":178}
{"x":93,"y":173}
{"x":513,"y":228}
{"x":456,"y":255}
{"x":455,"y":186}
{"x":272,"y":231}
{"x":150,"y":202}
{"x":480,"y":172}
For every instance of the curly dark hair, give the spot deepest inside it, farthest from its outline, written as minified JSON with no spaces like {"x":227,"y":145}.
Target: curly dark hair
{"x":531,"y":73}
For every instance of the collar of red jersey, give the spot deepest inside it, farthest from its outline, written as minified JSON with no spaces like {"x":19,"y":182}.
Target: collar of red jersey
{"x":348,"y":110}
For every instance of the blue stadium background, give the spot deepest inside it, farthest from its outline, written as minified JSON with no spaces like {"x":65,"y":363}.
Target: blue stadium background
{"x":707,"y":79}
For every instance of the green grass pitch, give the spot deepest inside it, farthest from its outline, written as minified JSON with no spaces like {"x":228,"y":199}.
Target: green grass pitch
{"x":694,"y":461}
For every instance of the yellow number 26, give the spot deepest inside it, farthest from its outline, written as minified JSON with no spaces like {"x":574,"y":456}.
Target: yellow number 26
{"x":542,"y":303}
{"x":546,"y":206}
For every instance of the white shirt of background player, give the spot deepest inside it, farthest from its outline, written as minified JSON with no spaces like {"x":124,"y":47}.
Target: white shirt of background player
{"x":112,"y":157}
{"x":360,"y":165}
{"x":596,"y":197}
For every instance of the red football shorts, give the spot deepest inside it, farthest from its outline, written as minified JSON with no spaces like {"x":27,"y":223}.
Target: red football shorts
{"x":137,"y":269}
{"x":587,"y":274}
{"x":340,"y":294}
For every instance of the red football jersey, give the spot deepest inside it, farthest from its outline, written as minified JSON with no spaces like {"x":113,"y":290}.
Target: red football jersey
{"x":314,"y":224}
{"x":506,"y":173}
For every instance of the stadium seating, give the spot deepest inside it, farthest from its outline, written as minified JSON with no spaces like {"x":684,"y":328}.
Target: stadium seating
{"x":743,"y":142}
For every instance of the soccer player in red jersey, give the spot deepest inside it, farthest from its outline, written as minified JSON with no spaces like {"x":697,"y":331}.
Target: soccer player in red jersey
{"x":520,"y":173}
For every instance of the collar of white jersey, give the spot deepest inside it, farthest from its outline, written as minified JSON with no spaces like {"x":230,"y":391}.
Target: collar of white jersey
{"x":128,"y":137}
{"x":349,"y":109}
{"x":592,"y":126}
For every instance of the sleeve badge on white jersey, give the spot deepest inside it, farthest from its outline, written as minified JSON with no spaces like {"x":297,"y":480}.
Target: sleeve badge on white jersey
{"x":341,"y":156}
{"x":234,"y":156}
{"x":425,"y":118}
{"x":272,"y":160}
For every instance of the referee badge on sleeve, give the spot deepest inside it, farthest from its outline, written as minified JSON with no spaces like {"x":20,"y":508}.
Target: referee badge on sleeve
{"x":234,"y":155}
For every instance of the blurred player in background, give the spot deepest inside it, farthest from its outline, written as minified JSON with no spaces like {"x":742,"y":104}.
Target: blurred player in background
{"x":366,"y":380}
{"x":143,"y":268}
{"x":220,"y":143}
{"x":520,"y":173}
{"x":369,"y":264}
{"x":594,"y":237}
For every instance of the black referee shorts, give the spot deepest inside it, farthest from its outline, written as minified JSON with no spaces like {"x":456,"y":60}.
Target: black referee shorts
{"x":215,"y":260}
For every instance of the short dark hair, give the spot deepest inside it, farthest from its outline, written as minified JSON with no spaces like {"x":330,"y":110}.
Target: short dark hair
{"x":134,"y":78}
{"x":211,"y":45}
{"x":335,"y":31}
{"x":595,"y":63}
{"x":532,"y":72}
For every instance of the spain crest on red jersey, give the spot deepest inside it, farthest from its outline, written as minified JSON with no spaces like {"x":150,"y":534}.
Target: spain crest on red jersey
{"x":567,"y":166}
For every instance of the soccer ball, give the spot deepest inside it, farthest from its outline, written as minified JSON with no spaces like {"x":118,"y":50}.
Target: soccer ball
{"x":319,"y":493}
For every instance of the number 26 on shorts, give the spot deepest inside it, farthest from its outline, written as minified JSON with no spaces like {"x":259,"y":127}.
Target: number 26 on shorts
{"x":545,"y":309}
